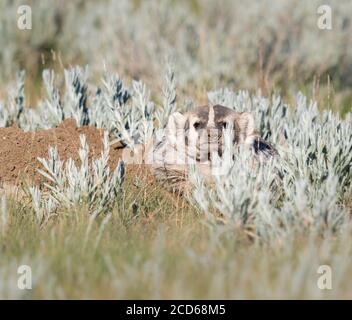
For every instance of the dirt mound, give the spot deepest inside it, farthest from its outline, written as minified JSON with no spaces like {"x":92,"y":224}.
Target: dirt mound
{"x":19,"y":150}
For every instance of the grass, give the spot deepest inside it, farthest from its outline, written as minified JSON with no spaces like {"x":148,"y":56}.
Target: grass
{"x":152,"y":244}
{"x":159,"y":247}
{"x":245,"y":47}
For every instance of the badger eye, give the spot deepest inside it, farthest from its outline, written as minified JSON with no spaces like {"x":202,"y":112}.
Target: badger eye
{"x":224,"y":125}
{"x":196,"y":125}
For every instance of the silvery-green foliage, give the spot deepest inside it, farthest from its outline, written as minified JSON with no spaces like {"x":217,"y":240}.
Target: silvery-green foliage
{"x":91,"y":184}
{"x":104,"y":101}
{"x":132,"y":121}
{"x":44,"y":208}
{"x":52,"y":111}
{"x":300,"y":190}
{"x":110,"y":110}
{"x":76,"y":95}
{"x":128,"y":114}
{"x":245,"y":36}
{"x":12,"y":110}
{"x":4,"y":116}
{"x":141,"y":102}
{"x":169,"y":98}
{"x":270,"y":208}
{"x":313,"y":143}
{"x":49,"y":112}
{"x":51,"y":106}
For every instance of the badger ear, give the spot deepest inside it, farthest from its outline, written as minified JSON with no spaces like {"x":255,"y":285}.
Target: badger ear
{"x":175,"y":126}
{"x":245,"y":122}
{"x":176,"y":121}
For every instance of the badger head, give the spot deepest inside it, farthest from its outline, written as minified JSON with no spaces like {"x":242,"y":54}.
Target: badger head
{"x":200,"y":132}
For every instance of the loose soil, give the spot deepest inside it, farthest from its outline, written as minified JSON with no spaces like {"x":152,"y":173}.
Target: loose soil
{"x":19,"y":150}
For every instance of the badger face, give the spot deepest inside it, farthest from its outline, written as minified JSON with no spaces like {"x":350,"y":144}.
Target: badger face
{"x":193,"y":137}
{"x":202,"y":130}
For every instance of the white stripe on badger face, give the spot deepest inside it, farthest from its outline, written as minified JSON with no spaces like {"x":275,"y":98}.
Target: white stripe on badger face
{"x":211,"y":122}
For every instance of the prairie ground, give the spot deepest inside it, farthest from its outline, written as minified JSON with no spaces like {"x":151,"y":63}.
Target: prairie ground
{"x":157,"y":246}
{"x":101,"y":230}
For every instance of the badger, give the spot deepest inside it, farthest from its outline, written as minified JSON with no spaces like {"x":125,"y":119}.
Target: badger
{"x":193,"y":137}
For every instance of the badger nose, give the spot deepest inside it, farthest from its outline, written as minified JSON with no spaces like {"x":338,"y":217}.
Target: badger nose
{"x":210,"y":131}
